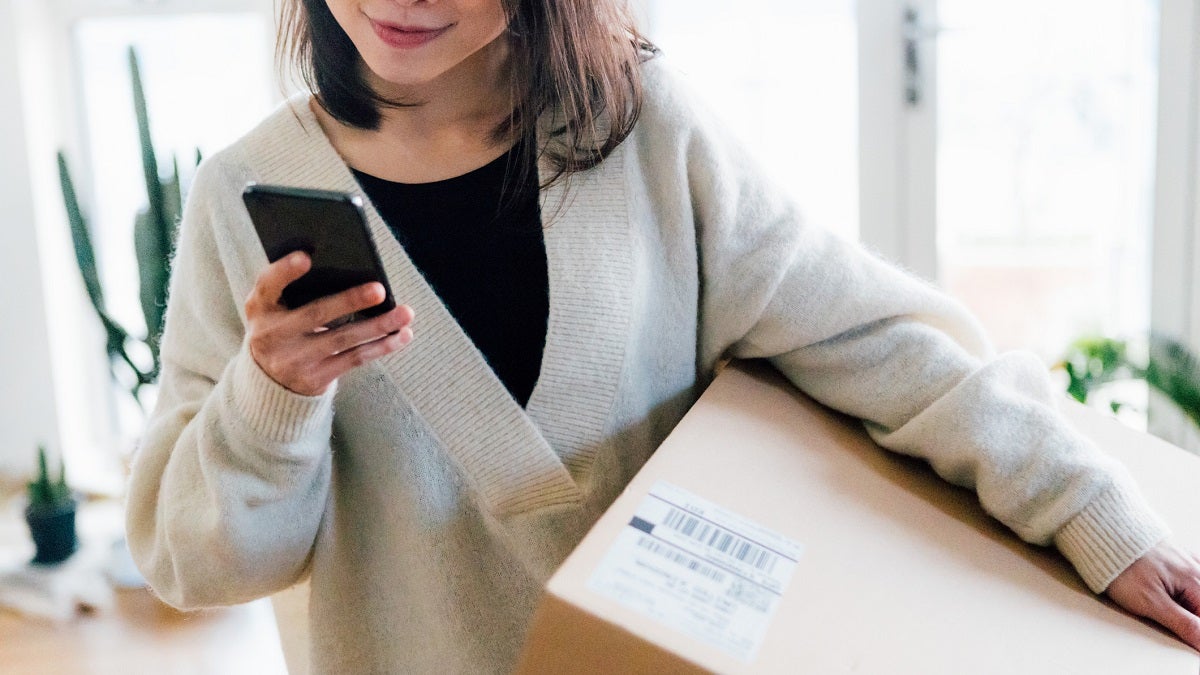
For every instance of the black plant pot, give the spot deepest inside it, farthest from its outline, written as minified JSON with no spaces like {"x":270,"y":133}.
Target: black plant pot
{"x":53,"y":530}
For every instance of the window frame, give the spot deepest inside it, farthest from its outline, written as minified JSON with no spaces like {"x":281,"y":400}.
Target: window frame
{"x":1175,"y":286}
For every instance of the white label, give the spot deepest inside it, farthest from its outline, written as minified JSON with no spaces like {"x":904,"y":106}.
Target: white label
{"x":699,"y":569}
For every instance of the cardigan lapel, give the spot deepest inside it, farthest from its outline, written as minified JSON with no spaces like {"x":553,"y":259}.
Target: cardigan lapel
{"x":517,"y":461}
{"x":590,"y":264}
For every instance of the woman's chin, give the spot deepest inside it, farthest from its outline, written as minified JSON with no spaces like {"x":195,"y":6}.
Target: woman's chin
{"x":386,"y":80}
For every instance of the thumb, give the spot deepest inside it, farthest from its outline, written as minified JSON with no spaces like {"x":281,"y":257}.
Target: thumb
{"x":282,"y":272}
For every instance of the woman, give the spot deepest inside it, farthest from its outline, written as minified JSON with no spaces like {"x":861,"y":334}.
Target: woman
{"x":581,"y":246}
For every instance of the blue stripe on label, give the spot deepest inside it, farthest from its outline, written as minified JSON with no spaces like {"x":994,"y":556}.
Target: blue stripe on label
{"x":643,"y":525}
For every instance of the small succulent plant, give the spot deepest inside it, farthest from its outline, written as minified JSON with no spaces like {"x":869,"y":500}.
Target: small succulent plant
{"x":46,"y":493}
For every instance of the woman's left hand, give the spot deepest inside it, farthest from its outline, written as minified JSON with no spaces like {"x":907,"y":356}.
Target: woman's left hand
{"x":1164,"y":586}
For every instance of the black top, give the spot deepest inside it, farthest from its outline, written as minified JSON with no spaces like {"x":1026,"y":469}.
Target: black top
{"x":478,"y":242}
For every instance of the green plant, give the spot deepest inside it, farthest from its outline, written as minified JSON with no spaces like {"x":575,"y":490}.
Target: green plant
{"x":46,"y":493}
{"x":1168,"y":367}
{"x":154,"y":242}
{"x":50,"y":515}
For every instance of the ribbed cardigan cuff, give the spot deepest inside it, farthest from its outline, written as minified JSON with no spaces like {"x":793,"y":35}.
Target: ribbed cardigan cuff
{"x":272,"y":411}
{"x":1107,"y":536}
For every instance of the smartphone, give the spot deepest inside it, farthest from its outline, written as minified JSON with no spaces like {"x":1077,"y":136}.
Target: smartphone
{"x":332,"y":229}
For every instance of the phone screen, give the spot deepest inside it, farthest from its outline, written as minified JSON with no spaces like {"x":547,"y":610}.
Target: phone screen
{"x":331,"y":228}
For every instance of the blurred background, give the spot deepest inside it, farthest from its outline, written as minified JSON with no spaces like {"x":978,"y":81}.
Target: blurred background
{"x":1037,"y":159}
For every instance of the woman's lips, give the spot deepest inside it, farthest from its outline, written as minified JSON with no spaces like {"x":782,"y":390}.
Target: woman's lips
{"x":407,"y":37}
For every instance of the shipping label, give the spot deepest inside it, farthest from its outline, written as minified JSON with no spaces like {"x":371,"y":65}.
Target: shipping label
{"x":698,"y":568}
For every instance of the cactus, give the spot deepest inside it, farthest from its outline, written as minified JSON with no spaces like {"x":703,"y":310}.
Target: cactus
{"x":154,"y":242}
{"x":46,"y":493}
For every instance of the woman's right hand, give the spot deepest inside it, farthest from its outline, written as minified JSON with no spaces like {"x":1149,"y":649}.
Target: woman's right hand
{"x":293,"y":347}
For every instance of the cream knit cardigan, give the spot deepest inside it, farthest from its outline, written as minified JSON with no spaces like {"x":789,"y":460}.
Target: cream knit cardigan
{"x":427,"y":507}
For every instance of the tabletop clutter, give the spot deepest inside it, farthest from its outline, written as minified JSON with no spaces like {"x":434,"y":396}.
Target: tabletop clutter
{"x":69,"y":557}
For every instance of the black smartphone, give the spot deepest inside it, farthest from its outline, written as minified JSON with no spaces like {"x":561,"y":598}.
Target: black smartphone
{"x":332,"y":229}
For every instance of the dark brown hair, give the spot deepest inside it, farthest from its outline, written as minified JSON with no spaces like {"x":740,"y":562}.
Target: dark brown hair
{"x":574,"y":64}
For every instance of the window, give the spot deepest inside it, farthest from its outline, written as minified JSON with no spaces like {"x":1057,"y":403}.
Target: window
{"x":208,"y":74}
{"x":786,"y":82}
{"x":1045,"y":166}
{"x":1044,"y":144}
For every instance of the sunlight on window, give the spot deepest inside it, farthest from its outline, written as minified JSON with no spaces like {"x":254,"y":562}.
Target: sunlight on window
{"x":1046,"y":147}
{"x":208,"y":79}
{"x":784,"y":75}
{"x":199,"y":96}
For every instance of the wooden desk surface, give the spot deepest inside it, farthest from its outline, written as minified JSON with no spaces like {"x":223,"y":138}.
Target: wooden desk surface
{"x":138,"y":634}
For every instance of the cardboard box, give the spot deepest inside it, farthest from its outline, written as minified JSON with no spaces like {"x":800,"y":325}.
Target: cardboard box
{"x":898,"y":571}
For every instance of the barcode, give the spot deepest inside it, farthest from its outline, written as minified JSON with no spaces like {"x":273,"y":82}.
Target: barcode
{"x":681,"y":559}
{"x":721,"y":539}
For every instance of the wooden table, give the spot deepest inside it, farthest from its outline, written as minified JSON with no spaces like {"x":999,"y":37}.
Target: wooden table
{"x":138,"y":634}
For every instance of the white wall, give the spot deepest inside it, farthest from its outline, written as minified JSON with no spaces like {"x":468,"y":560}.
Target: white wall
{"x":27,"y":403}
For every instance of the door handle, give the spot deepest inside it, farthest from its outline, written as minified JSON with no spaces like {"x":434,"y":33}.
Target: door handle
{"x":916,"y":32}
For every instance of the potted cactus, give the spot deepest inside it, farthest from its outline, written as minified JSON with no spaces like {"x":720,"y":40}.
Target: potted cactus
{"x":51,"y":514}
